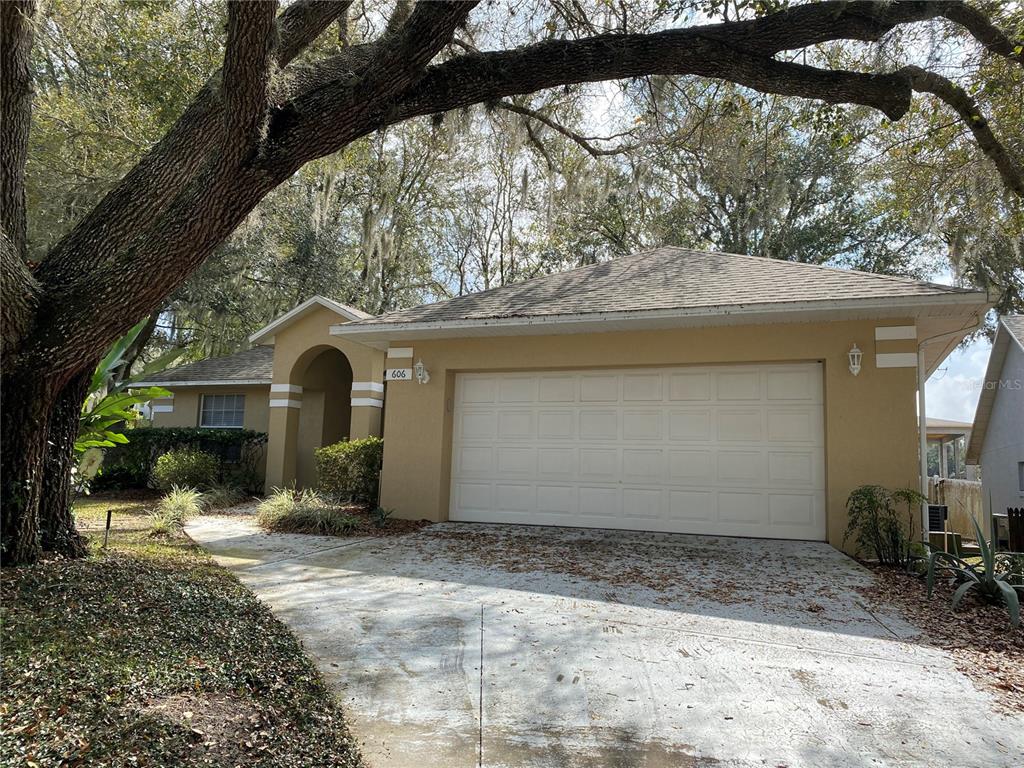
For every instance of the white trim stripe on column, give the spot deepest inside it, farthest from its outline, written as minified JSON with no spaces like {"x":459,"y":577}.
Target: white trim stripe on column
{"x":162,"y":408}
{"x":892,"y":332}
{"x":285,"y":403}
{"x":294,"y":389}
{"x":370,"y":401}
{"x":896,"y":360}
{"x":399,"y":351}
{"x":367,"y":386}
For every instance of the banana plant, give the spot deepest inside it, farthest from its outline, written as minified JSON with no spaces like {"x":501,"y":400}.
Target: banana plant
{"x":111,"y":403}
{"x":990,"y":578}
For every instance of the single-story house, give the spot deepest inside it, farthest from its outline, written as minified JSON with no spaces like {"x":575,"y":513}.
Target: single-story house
{"x":672,"y":390}
{"x":997,"y":439}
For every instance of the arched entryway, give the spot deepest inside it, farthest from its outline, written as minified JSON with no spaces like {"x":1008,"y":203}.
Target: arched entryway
{"x":325,"y":375}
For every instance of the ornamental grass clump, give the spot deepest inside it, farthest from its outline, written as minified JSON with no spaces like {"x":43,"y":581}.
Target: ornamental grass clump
{"x":306,"y":511}
{"x":174,"y":509}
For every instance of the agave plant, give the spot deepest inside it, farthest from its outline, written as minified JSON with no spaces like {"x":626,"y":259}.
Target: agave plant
{"x":991,"y":578}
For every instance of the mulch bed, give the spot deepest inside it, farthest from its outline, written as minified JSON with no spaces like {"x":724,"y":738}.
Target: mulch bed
{"x":977,"y":635}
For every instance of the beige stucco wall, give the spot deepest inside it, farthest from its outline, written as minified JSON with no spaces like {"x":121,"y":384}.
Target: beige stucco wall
{"x":188,"y":400}
{"x":870,"y":419}
{"x":293,"y":430}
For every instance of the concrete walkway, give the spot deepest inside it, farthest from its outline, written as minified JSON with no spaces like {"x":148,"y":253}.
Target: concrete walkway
{"x":467,"y":645}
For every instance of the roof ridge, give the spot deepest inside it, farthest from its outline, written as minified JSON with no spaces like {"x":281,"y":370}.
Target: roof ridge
{"x":628,"y":256}
{"x":842,"y":270}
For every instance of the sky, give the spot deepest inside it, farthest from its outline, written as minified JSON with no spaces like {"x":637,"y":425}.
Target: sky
{"x":952,"y":391}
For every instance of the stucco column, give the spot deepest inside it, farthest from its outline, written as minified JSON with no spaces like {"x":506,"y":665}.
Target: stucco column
{"x":367,"y":399}
{"x":282,"y":442}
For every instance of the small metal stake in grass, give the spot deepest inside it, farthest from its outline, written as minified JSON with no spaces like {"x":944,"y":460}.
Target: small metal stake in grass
{"x":106,"y":531}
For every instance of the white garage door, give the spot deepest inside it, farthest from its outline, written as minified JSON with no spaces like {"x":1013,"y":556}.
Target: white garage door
{"x":731,"y":450}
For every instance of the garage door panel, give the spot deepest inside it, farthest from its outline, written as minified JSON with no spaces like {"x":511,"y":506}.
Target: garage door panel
{"x":642,"y":425}
{"x":520,"y":461}
{"x":479,"y":389}
{"x":556,"y":499}
{"x":793,"y":384}
{"x":692,"y":506}
{"x":690,"y":385}
{"x":690,"y":426}
{"x":792,"y":509}
{"x":642,"y":504}
{"x":603,"y":388}
{"x":478,"y":425}
{"x":516,"y":425}
{"x":556,"y":425}
{"x":473,"y":460}
{"x":642,"y":387}
{"x":599,"y":425}
{"x":643,"y":464}
{"x":517,"y":389}
{"x":734,"y":507}
{"x":742,"y":467}
{"x":692,"y":467}
{"x":738,"y":385}
{"x":557,"y":389}
{"x":557,"y":462}
{"x":740,"y":426}
{"x":726,"y":450}
{"x":599,"y":463}
{"x":514,"y":497}
{"x":603,"y":502}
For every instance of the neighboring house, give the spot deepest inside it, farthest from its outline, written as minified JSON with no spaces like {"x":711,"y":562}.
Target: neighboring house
{"x":947,"y":447}
{"x":997,"y":442}
{"x":672,"y":390}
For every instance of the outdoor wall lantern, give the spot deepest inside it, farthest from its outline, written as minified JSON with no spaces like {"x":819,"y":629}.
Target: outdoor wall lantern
{"x":855,"y":356}
{"x":422,"y":374}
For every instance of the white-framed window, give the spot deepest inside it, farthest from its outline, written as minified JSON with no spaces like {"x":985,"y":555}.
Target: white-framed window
{"x":222,"y":411}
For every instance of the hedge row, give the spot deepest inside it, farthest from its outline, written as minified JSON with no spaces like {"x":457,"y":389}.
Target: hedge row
{"x":131,"y":465}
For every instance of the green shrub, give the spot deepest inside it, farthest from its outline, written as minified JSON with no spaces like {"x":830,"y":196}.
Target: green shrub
{"x":290,"y":511}
{"x":351,"y":470}
{"x":131,"y":465}
{"x":875,"y":524}
{"x":175,"y":508}
{"x":187,"y":468}
{"x":223,"y":495}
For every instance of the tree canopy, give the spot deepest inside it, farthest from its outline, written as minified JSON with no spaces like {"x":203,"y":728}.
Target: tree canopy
{"x":209,"y":165}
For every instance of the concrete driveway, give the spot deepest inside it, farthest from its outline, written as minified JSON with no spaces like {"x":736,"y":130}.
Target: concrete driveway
{"x":466,"y":645}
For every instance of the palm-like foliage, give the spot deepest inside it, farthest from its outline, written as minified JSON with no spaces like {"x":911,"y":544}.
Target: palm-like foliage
{"x":991,"y":578}
{"x":111,"y":404}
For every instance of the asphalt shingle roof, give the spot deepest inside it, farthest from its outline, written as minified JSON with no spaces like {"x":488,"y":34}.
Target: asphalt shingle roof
{"x":666,"y":278}
{"x":254,"y":364}
{"x":1015,"y":325}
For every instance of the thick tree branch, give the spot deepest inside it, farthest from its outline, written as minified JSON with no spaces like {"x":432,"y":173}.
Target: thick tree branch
{"x":967,"y":108}
{"x":245,"y":77}
{"x":15,"y":119}
{"x":149,"y":188}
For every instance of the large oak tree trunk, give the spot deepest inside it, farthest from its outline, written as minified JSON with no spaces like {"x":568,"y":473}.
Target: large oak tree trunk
{"x":24,"y":433}
{"x":57,"y":532}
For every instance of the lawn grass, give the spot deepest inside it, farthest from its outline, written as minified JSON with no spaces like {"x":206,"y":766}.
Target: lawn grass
{"x":149,"y":654}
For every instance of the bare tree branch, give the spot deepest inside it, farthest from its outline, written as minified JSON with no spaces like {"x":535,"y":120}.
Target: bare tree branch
{"x":245,"y":77}
{"x":969,"y":112}
{"x":582,"y":141}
